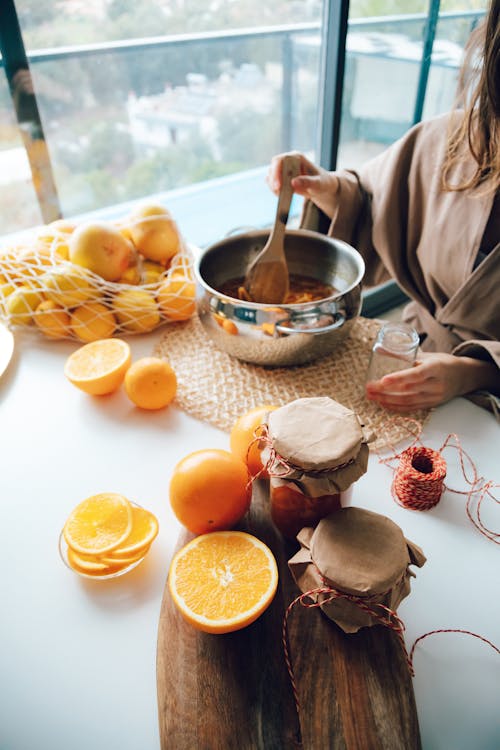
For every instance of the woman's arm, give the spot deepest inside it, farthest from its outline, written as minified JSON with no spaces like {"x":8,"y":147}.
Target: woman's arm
{"x":434,"y":379}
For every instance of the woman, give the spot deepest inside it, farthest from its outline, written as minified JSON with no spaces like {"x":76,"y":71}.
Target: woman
{"x":426,"y":213}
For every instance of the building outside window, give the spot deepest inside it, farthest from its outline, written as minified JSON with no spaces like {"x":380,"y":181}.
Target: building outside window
{"x":106,"y":102}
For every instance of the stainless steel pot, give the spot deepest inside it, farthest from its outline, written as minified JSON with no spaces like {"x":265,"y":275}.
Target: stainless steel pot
{"x":287,"y":334}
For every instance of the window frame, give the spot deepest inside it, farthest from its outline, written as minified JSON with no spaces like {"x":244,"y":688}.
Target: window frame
{"x":335,"y":25}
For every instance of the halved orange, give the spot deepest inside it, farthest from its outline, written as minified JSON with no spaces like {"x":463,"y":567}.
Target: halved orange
{"x":223,"y":581}
{"x":99,"y":367}
{"x":98,"y":524}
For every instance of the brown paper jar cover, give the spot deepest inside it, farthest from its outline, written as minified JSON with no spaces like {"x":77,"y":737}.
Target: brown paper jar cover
{"x":357,"y":552}
{"x":318,"y":450}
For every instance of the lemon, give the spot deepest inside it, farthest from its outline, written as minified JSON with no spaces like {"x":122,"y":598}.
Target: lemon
{"x":55,"y":229}
{"x":154,"y":232}
{"x":151,"y":272}
{"x":131,"y":276}
{"x":136,"y":310}
{"x":176,"y":297}
{"x":21,"y":304}
{"x":92,"y":321}
{"x":5,"y":290}
{"x":101,"y":248}
{"x":52,"y":320}
{"x":67,"y":286}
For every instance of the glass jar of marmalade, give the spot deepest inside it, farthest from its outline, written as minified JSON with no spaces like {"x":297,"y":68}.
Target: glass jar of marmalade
{"x":316,"y":449}
{"x":291,"y":510}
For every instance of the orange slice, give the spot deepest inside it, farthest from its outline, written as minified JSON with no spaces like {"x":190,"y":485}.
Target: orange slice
{"x":223,"y":581}
{"x":99,"y":367}
{"x":98,"y":524}
{"x":86,"y":564}
{"x":143,"y":531}
{"x":117,"y":555}
{"x":102,"y":572}
{"x":112,"y":559}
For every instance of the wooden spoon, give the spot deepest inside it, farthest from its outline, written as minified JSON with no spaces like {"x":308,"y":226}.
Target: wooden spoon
{"x":266,"y":278}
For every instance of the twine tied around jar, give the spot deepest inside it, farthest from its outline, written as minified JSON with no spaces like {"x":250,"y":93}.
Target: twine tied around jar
{"x":278,"y":466}
{"x":383,"y":615}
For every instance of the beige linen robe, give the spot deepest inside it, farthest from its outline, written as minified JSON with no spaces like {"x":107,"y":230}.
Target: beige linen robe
{"x":407,"y":228}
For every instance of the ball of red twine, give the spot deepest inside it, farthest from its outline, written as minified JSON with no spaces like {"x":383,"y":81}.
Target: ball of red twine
{"x":419,"y":478}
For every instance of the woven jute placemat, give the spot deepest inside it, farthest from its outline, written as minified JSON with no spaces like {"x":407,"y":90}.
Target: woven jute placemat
{"x":217,"y":388}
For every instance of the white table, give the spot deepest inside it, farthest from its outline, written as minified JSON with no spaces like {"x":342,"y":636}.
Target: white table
{"x":77,"y":657}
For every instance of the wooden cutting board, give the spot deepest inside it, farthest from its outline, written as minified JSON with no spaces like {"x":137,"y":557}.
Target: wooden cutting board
{"x":234,"y":691}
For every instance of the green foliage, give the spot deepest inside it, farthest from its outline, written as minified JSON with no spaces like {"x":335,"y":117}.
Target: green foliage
{"x":238,"y":141}
{"x":83,"y":101}
{"x":109,"y":148}
{"x":32,"y":13}
{"x":368,"y":8}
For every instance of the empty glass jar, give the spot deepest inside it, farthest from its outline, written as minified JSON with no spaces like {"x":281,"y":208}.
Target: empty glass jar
{"x":395,"y":348}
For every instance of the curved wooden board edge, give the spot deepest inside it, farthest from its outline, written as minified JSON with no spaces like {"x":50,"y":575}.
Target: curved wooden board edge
{"x":234,"y":691}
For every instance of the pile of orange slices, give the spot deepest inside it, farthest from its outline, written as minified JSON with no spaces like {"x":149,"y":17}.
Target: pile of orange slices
{"x":107,"y":534}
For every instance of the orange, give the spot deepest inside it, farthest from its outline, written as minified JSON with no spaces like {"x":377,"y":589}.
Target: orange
{"x":92,"y":321}
{"x":209,"y":490}
{"x":99,"y":367}
{"x":150,"y":383}
{"x":98,"y":524}
{"x":230,"y":327}
{"x":176,"y":297}
{"x":52,"y":320}
{"x":242,"y":435}
{"x":223,"y":581}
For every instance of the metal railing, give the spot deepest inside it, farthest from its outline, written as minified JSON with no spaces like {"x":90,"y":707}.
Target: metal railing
{"x":14,"y":56}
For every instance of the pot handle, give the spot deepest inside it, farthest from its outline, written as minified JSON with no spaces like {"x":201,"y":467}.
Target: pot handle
{"x":338,"y":320}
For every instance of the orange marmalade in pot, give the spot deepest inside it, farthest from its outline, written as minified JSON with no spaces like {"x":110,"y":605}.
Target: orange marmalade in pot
{"x":302,"y":289}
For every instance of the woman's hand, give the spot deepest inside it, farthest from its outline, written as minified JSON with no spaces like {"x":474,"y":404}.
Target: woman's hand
{"x":315,"y":183}
{"x":434,"y":379}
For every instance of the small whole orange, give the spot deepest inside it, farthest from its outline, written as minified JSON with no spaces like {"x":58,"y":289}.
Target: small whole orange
{"x":210,"y":490}
{"x":151,"y":383}
{"x":242,"y":435}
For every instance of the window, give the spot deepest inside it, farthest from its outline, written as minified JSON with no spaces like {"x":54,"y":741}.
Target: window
{"x":104,"y":102}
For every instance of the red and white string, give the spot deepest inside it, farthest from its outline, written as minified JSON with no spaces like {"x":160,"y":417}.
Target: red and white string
{"x":418,"y":482}
{"x":381,"y":614}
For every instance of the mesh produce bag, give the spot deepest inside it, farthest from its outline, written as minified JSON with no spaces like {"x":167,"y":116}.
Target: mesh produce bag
{"x":130,"y":277}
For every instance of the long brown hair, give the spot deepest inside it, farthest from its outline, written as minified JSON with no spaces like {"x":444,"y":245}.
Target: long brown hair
{"x":479,"y":128}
